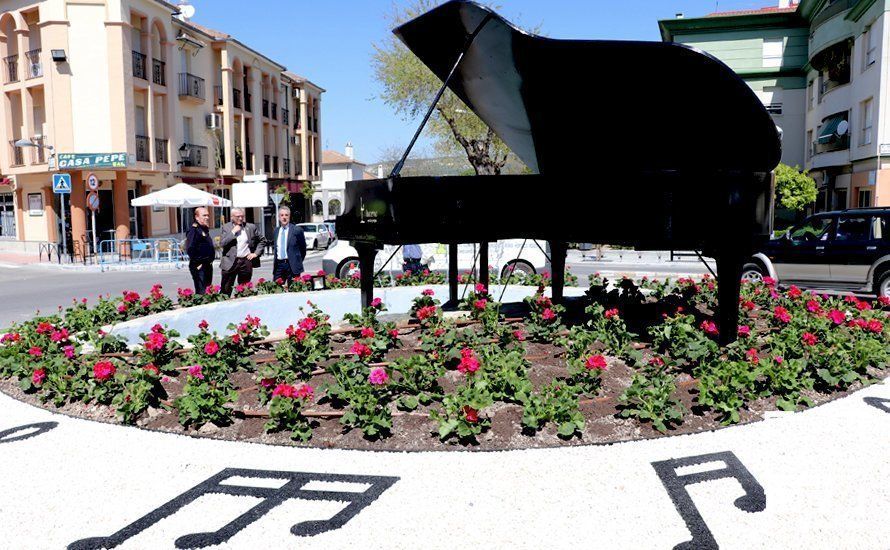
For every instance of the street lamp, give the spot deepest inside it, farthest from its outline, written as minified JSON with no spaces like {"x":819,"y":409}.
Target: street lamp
{"x":184,"y":153}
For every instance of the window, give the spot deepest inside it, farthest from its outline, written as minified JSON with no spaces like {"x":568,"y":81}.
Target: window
{"x":334,"y":207}
{"x":879,"y":228}
{"x":7,"y":215}
{"x":187,"y":129}
{"x":772,"y":52}
{"x":871,"y":47}
{"x":864,"y":198}
{"x":318,"y":208}
{"x":814,"y":229}
{"x":866,"y":123}
{"x":811,"y":95}
{"x":840,"y":198}
{"x":809,"y":144}
{"x":853,"y":229}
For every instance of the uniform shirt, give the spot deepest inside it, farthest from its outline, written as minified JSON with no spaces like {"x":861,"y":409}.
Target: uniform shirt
{"x":199,"y":245}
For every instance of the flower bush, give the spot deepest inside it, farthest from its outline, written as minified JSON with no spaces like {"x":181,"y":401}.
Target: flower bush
{"x":544,"y":317}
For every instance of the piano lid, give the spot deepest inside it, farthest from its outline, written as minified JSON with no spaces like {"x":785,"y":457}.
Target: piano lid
{"x":563,"y":104}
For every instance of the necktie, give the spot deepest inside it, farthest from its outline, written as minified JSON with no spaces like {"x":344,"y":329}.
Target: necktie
{"x":282,"y":244}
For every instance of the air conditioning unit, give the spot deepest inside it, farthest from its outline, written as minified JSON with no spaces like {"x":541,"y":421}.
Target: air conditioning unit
{"x":214,"y":121}
{"x":295,"y":140}
{"x":295,"y":93}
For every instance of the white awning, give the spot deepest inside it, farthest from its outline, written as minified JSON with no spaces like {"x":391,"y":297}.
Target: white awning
{"x":180,"y":195}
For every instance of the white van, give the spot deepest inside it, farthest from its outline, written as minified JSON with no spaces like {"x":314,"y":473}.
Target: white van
{"x":529,"y":259}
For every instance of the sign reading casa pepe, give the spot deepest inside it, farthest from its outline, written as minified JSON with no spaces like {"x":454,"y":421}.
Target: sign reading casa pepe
{"x":91,"y":160}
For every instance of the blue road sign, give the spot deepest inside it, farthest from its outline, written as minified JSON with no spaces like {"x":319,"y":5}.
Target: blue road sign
{"x":61,"y":183}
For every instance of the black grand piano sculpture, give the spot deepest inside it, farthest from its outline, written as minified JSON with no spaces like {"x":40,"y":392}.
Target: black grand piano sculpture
{"x":649,"y":144}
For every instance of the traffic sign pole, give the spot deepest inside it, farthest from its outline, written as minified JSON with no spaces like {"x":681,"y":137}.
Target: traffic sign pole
{"x":64,"y":229}
{"x":62,"y":187}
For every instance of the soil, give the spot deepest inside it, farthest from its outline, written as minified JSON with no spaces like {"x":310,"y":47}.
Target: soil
{"x":414,"y":431}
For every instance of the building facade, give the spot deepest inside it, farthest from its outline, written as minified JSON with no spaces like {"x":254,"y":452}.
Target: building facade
{"x":141,"y":97}
{"x":821,"y":68}
{"x":336,"y":169}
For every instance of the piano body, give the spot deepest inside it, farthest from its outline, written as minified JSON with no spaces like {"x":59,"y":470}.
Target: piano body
{"x":648,"y":144}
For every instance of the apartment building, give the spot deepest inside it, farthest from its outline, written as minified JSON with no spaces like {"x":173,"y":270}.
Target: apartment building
{"x":141,"y":96}
{"x":820,"y":67}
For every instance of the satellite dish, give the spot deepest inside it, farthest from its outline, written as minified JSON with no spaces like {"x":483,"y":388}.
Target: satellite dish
{"x":842,"y":127}
{"x":187,"y":10}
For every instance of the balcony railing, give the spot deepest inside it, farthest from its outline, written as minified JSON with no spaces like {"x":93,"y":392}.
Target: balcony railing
{"x":18,"y":154}
{"x":39,"y":155}
{"x":217,"y":95}
{"x":774,"y":108}
{"x":247,"y":98}
{"x":285,"y":116}
{"x":839,"y":144}
{"x":161,"y":151}
{"x":34,"y":67}
{"x":12,"y":68}
{"x":274,"y":111}
{"x":274,"y":165}
{"x":139,"y":65}
{"x":236,"y":98}
{"x":191,"y":86}
{"x":197,"y":156}
{"x":265,"y":107}
{"x":159,"y":72}
{"x":285,"y":165}
{"x":142,"y":148}
{"x":266,"y":164}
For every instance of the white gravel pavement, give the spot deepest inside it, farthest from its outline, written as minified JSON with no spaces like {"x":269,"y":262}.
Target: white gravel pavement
{"x":815,"y":479}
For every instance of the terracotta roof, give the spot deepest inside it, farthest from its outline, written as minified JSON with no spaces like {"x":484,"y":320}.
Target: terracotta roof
{"x":333,"y":157}
{"x":368,"y":176}
{"x":756,"y":11}
{"x":219,"y":35}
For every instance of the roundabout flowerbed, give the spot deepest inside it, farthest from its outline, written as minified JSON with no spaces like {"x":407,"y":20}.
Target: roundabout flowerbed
{"x":626,"y":361}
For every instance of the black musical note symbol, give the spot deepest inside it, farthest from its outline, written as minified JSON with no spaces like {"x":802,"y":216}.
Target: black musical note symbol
{"x":40,"y":427}
{"x":754,"y":499}
{"x":272,"y":497}
{"x":878,"y":403}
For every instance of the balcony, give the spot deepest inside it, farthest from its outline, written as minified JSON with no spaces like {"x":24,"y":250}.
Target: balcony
{"x":12,"y":68}
{"x":247,"y":106}
{"x":266,"y":164}
{"x":34,"y":68}
{"x":39,"y":156}
{"x":236,"y":98}
{"x":139,"y":65}
{"x":18,"y":154}
{"x":142,"y":149}
{"x":196,"y":156}
{"x":274,"y":111}
{"x":315,"y":125}
{"x":285,"y":116}
{"x":158,"y":72}
{"x":161,"y":151}
{"x":266,"y":108}
{"x":285,"y":165}
{"x":217,"y":95}
{"x":191,"y":87}
{"x":833,"y":64}
{"x":274,"y":165}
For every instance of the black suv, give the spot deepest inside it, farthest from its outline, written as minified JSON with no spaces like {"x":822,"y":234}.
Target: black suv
{"x":846,"y":250}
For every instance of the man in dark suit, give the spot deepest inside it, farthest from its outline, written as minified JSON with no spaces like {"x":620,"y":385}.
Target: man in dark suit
{"x":240,"y":243}
{"x":290,"y":248}
{"x":200,"y":249}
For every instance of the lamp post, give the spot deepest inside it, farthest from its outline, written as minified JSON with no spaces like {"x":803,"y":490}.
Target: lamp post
{"x":185,"y":153}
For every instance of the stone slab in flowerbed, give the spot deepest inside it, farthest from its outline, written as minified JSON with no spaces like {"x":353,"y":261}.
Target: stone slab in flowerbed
{"x":619,"y":364}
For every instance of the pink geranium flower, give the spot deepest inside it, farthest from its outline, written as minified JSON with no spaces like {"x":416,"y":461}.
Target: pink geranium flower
{"x":211,"y":347}
{"x":103,"y":370}
{"x":809,"y":338}
{"x":468,"y":361}
{"x":378,"y":376}
{"x":308,"y":324}
{"x":519,"y":335}
{"x":38,"y":376}
{"x":781,"y":314}
{"x":480,"y":304}
{"x":203,"y":325}
{"x":709,"y":327}
{"x":745,"y":331}
{"x":35,"y":351}
{"x":428,"y":292}
{"x":548,"y":314}
{"x":197,"y":371}
{"x":68,"y":351}
{"x":480,"y":288}
{"x":595,"y":362}
{"x":837,"y":317}
{"x":367,"y":332}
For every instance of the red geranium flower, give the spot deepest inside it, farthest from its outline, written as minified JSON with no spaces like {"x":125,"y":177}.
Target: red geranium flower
{"x":35,"y":351}
{"x":428,"y":292}
{"x":597,"y":362}
{"x":611,"y":313}
{"x":519,"y":335}
{"x":103,"y":370}
{"x":468,"y":361}
{"x":203,"y":325}
{"x":709,"y":327}
{"x":480,"y":304}
{"x":211,"y":347}
{"x":548,"y":314}
{"x":794,"y":292}
{"x":151,"y":368}
{"x":38,"y":376}
{"x":360,"y":349}
{"x":308,"y":324}
{"x":745,"y":331}
{"x":809,"y":338}
{"x":752,"y":356}
{"x":837,"y":317}
{"x":471,"y":414}
{"x":367,"y":332}
{"x":781,"y":314}
{"x":875,"y":326}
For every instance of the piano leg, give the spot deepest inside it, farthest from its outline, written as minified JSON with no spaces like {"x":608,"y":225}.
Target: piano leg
{"x":452,"y":274}
{"x":366,"y":255}
{"x":729,"y":275}
{"x":558,"y":266}
{"x":483,"y":264}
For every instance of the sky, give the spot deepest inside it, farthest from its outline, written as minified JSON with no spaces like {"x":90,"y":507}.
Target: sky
{"x":330,"y":42}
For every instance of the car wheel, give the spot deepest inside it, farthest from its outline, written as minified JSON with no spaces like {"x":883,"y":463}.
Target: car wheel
{"x":752,"y":272}
{"x":344,"y":270}
{"x":517,"y":267}
{"x":882,"y":287}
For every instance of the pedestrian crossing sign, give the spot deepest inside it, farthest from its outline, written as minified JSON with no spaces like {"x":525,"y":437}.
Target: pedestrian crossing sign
{"x":61,"y":183}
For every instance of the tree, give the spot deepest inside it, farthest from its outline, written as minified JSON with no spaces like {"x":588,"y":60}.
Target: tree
{"x":795,"y":189}
{"x":409,"y":87}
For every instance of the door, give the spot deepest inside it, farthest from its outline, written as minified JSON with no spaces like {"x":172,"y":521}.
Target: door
{"x":802,"y":256}
{"x":854,"y":248}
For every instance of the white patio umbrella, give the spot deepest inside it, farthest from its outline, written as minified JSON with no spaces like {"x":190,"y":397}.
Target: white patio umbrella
{"x":181,"y":195}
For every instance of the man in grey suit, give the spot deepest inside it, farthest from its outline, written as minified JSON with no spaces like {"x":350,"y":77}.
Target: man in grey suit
{"x":241,"y":245}
{"x":290,"y":248}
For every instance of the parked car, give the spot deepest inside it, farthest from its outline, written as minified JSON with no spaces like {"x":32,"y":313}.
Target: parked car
{"x":317,"y":235}
{"x":502,"y":255}
{"x":843,"y":250}
{"x":332,"y":227}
